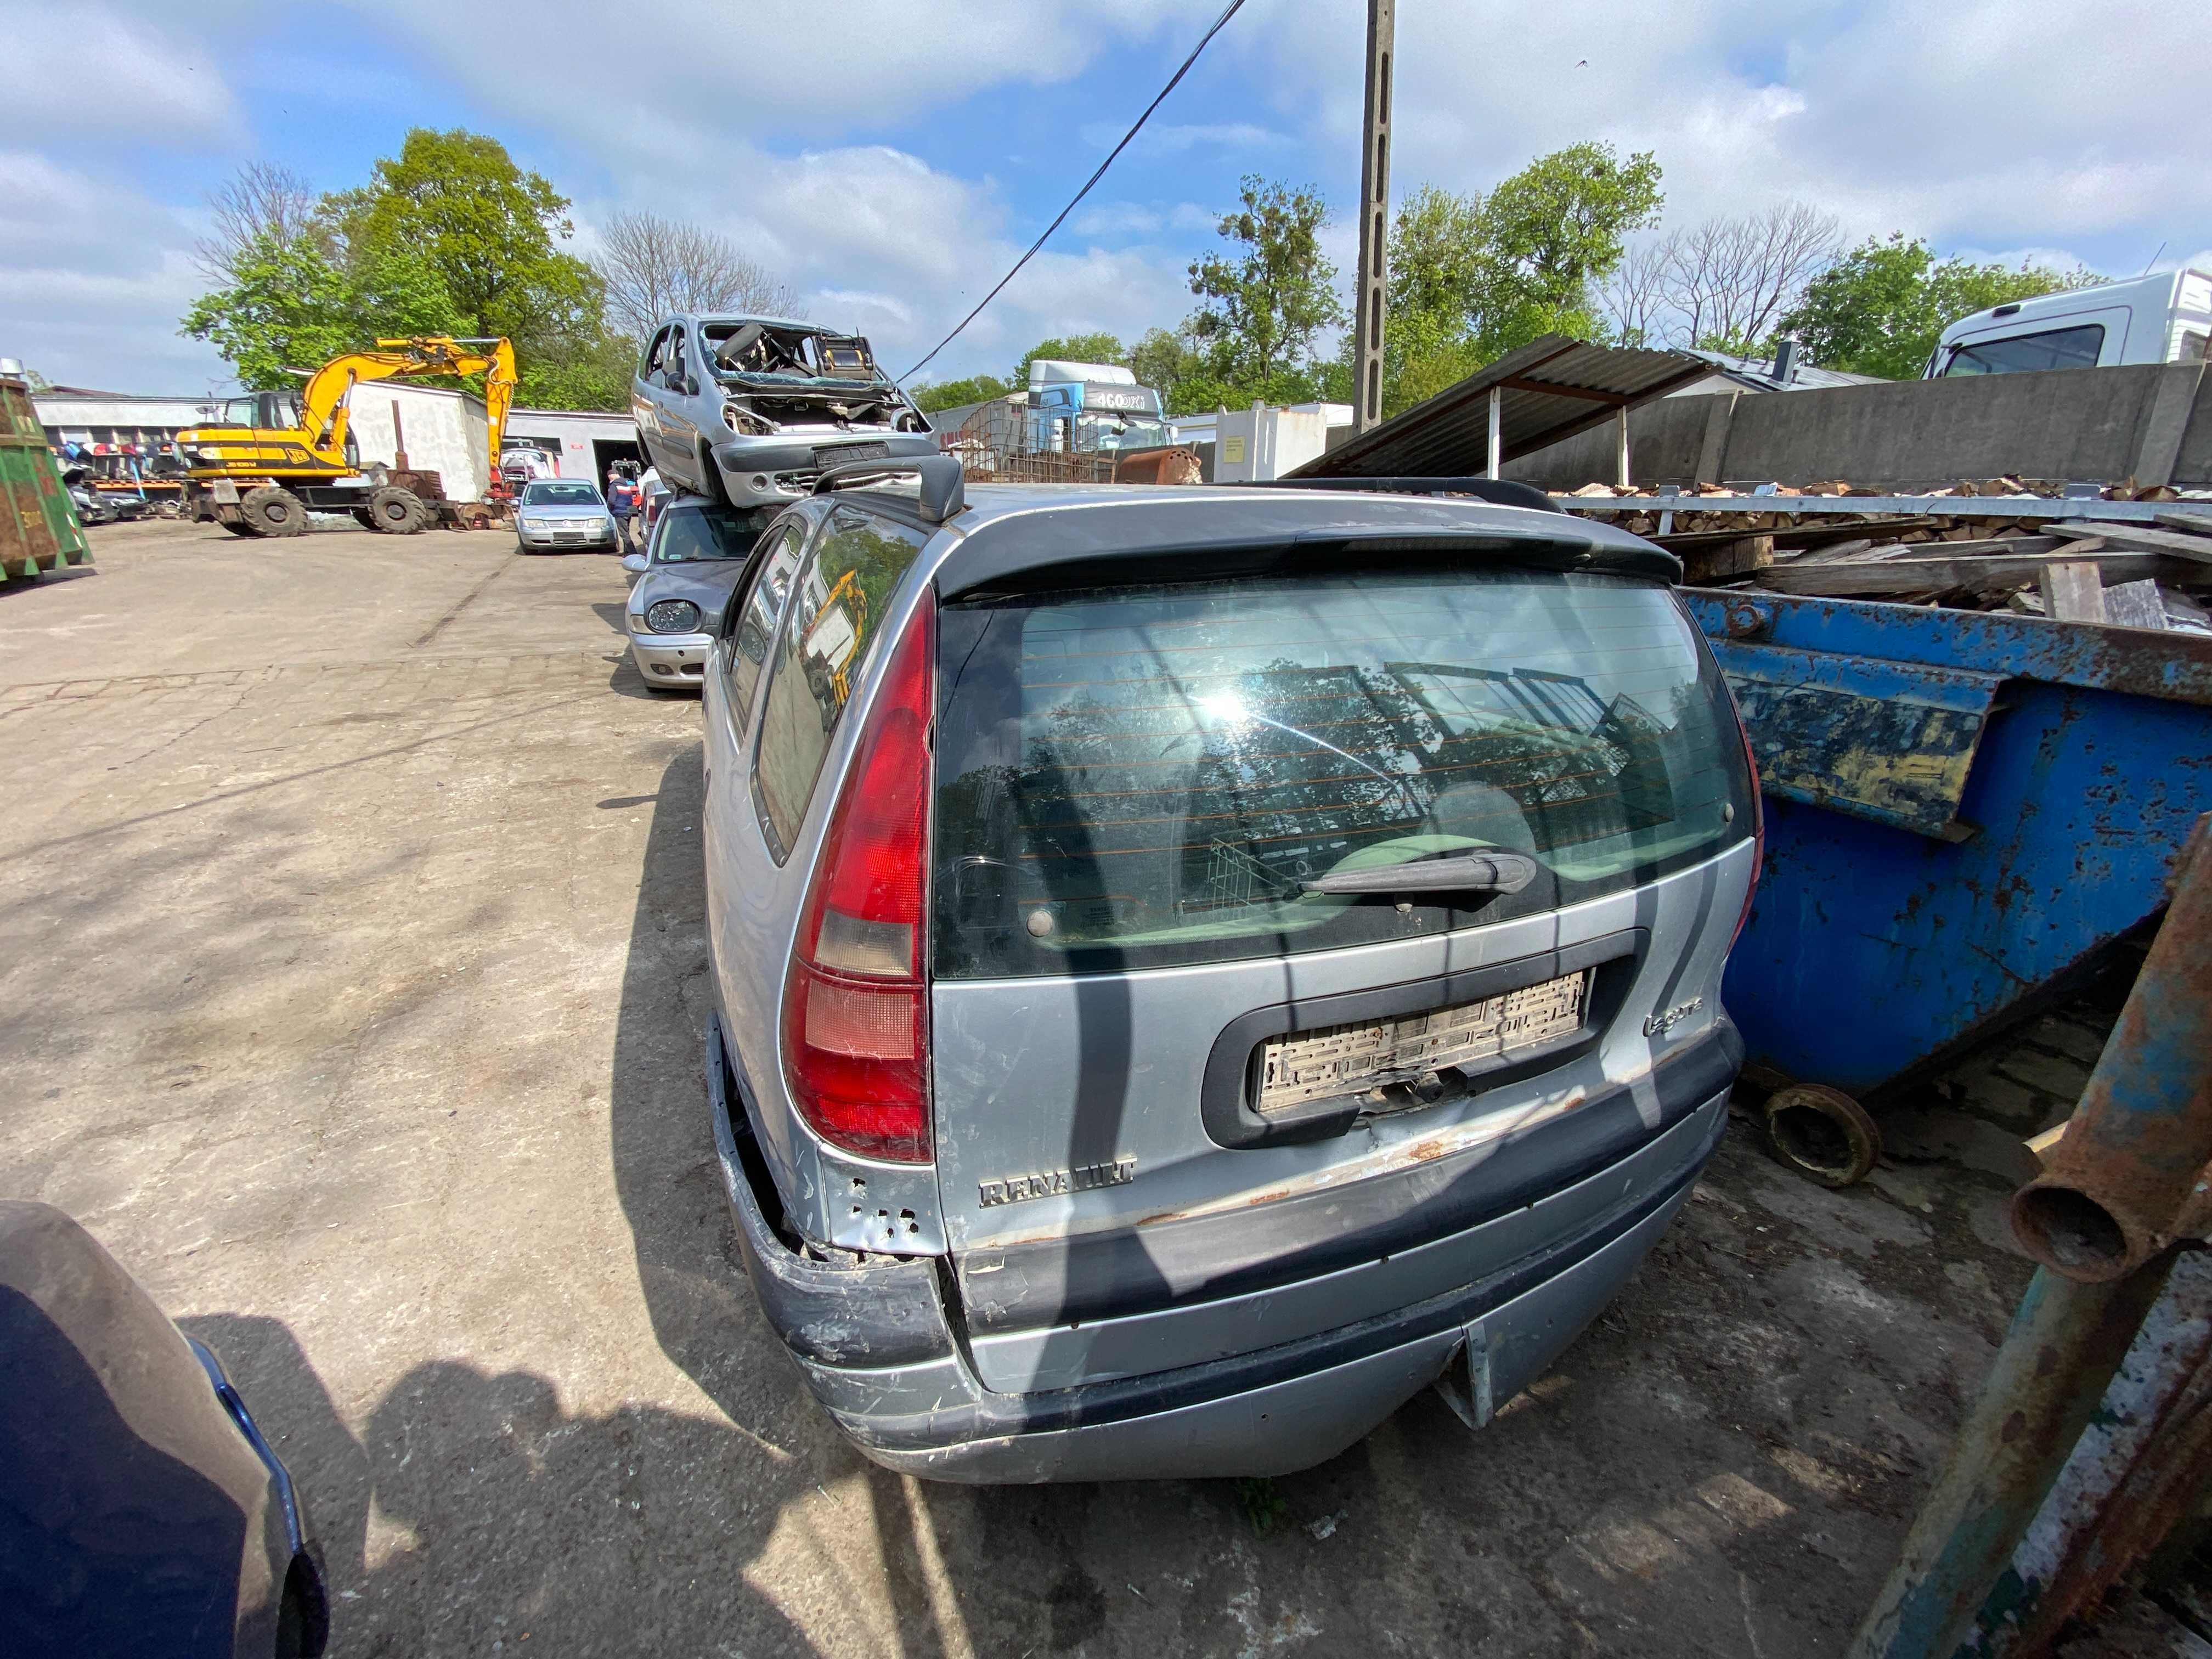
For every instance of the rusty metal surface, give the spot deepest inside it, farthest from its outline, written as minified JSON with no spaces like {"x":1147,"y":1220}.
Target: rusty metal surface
{"x":1551,"y":388}
{"x":2066,"y":1342}
{"x":1891,"y":742}
{"x":2137,"y":1469}
{"x":1963,"y":809}
{"x":1177,"y":463}
{"x":1962,"y":507}
{"x":2130,"y":1175}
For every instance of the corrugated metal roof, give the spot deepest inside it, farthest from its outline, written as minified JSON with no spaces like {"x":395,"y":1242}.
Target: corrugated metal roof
{"x":1554,"y":387}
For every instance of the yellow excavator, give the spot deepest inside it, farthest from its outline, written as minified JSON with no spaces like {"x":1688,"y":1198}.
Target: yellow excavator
{"x":277,"y":456}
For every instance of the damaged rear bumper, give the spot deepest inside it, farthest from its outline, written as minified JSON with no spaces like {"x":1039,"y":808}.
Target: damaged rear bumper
{"x":878,"y":1349}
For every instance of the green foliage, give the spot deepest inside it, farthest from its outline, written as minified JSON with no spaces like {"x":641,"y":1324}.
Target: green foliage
{"x":1474,"y":276}
{"x":448,"y":237}
{"x":1264,"y":1507}
{"x":1075,"y":349}
{"x":293,"y":307}
{"x":1264,"y":306}
{"x":1186,"y":377}
{"x":1879,"y":309}
{"x":578,"y":373}
{"x":950,"y":394}
{"x":456,"y":202}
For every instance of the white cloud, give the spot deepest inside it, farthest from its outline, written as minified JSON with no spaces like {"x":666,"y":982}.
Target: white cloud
{"x":93,"y":277}
{"x":84,"y":73}
{"x":1172,"y":138}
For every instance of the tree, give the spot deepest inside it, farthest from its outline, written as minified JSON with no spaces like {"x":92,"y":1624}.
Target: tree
{"x":1729,"y":281}
{"x":1880,"y":308}
{"x":950,"y":394}
{"x":289,"y":307}
{"x":262,"y":204}
{"x":1265,"y":306}
{"x":1634,"y":295}
{"x":653,"y":268}
{"x":1472,"y":278}
{"x":1557,"y":227}
{"x":456,"y":201}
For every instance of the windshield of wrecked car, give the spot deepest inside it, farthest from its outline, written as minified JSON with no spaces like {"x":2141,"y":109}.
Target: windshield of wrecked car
{"x":560,"y":494}
{"x":700,"y":533}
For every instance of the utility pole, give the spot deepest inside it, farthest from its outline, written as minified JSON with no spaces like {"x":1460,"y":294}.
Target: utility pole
{"x":1373,"y":221}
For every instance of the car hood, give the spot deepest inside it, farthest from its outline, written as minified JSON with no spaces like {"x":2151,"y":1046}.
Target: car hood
{"x":707,"y":584}
{"x":564,"y":511}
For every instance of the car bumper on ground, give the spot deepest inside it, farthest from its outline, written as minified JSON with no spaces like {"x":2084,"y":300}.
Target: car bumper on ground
{"x":672,"y":659}
{"x":876,"y":1350}
{"x":773,"y":472}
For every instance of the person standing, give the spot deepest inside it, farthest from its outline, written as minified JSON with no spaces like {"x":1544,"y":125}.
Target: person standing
{"x":622,"y":501}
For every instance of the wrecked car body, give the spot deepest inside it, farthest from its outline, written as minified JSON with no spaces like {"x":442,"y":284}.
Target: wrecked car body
{"x":751,"y":409}
{"x":1191,"y":968}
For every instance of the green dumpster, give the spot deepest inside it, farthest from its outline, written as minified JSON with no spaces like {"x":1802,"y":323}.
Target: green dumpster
{"x":39,"y":530}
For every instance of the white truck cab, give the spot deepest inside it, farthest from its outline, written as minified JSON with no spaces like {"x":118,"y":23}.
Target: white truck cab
{"x":2165,"y":319}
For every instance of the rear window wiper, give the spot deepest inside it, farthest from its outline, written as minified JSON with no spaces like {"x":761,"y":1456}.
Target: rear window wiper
{"x":1477,"y":873}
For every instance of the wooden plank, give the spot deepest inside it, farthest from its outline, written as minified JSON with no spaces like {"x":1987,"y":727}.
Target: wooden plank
{"x":1844,"y":578}
{"x":2166,"y":541}
{"x":2023,"y":546}
{"x":2181,"y":519}
{"x":2134,"y":604}
{"x":2073,"y":591}
{"x":1739,"y":557}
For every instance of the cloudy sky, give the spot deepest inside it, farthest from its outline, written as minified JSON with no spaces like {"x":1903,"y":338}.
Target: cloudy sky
{"x":888,"y":160}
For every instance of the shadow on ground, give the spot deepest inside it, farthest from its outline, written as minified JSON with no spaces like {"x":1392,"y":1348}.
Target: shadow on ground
{"x":476,"y":1517}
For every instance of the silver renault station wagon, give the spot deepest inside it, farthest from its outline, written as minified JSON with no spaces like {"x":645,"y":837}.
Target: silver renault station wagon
{"x":1195,"y":967}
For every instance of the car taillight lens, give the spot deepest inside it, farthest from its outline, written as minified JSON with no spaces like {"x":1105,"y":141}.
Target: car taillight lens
{"x":1758,"y":823}
{"x":855,"y":1012}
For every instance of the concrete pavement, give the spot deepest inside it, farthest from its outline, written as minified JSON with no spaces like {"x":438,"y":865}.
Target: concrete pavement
{"x":351,"y":992}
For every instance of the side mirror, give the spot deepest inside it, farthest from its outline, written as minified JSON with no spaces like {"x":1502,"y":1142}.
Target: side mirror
{"x":634,"y":563}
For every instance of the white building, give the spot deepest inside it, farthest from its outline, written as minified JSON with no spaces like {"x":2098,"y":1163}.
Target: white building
{"x":583,"y":443}
{"x":1255,"y":445}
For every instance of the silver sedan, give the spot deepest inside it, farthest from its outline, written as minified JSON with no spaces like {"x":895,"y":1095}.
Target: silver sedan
{"x":562,"y":512}
{"x":698,"y":555}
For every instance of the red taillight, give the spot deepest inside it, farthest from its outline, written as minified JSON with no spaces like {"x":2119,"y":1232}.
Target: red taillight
{"x":855,"y":1013}
{"x":1758,"y":823}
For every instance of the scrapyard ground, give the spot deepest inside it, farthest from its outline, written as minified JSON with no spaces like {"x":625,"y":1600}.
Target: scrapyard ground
{"x":351,"y":992}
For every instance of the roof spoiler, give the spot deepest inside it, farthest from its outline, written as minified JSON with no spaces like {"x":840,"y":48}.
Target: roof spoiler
{"x":944,"y":483}
{"x":1498,"y":492}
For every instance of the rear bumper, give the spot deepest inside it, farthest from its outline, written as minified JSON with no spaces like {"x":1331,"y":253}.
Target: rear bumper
{"x":877,"y":1348}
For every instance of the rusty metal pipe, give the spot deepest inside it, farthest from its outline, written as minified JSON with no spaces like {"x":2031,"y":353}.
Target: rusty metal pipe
{"x":2133,"y":1173}
{"x":2067,"y":1339}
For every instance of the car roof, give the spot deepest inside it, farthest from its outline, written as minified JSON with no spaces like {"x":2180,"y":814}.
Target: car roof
{"x":1013,"y":533}
{"x":743,"y":317}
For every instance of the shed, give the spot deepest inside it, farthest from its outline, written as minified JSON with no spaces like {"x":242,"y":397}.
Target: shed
{"x":1549,"y":389}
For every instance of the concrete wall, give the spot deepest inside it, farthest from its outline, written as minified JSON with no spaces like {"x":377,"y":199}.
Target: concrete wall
{"x":2150,"y":421}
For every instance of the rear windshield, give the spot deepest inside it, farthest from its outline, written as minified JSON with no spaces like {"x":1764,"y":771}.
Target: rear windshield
{"x":1145,"y":776}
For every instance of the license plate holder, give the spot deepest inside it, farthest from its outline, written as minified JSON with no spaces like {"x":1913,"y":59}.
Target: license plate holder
{"x":1374,"y":1057}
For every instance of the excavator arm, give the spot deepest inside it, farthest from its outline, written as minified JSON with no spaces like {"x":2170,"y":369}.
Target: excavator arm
{"x":326,"y":404}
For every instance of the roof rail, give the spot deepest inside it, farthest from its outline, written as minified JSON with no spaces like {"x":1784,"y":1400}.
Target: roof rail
{"x":1498,"y":492}
{"x":943,"y":482}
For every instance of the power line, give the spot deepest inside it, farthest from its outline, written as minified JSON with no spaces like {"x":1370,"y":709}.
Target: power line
{"x":1204,"y":40}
